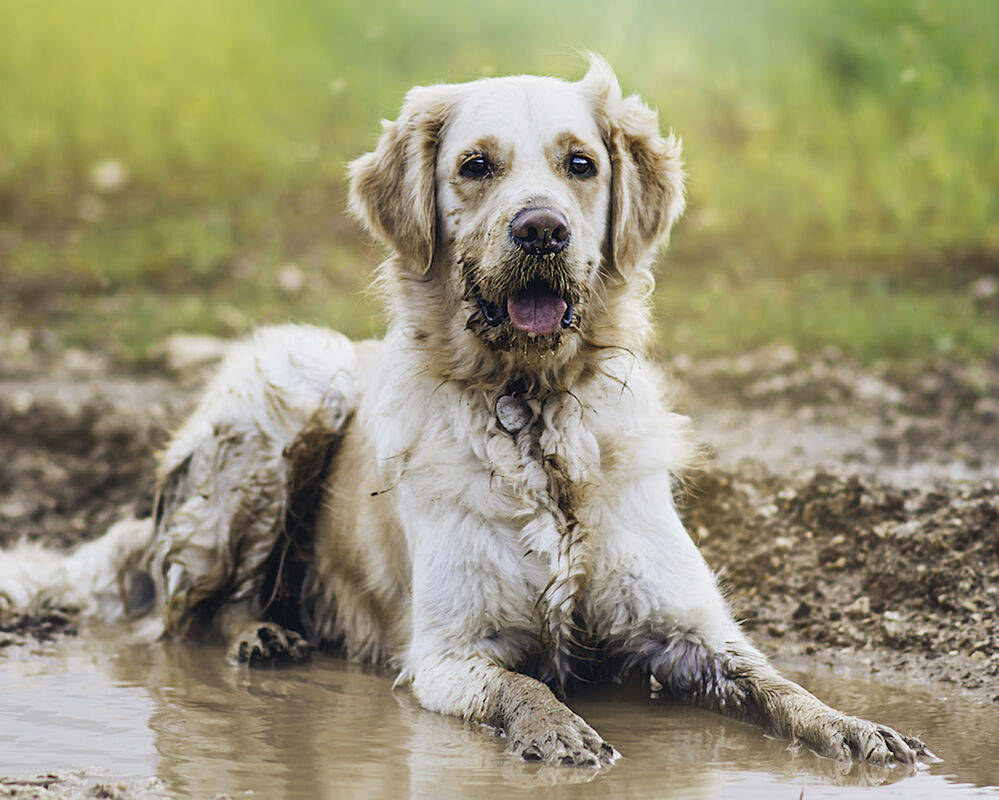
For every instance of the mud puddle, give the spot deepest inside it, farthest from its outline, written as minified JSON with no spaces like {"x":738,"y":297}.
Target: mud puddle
{"x":185,"y":724}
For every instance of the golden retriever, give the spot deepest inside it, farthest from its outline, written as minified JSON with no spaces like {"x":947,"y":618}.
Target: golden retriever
{"x":482,"y":500}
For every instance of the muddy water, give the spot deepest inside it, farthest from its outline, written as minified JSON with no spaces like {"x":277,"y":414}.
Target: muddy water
{"x":332,"y":729}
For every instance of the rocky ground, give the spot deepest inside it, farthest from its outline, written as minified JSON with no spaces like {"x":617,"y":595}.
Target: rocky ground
{"x":851,"y":512}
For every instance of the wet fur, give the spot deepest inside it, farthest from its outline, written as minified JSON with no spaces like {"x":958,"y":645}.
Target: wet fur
{"x":370,"y":497}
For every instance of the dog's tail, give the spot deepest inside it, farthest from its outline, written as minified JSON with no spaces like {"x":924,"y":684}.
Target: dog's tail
{"x":105,"y":579}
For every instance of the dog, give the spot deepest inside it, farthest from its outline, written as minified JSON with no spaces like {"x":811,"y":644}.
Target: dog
{"x":482,"y":500}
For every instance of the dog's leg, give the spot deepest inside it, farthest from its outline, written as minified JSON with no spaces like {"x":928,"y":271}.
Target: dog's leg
{"x":537,"y":726}
{"x":238,"y":484}
{"x":468,"y":634}
{"x":679,"y":629}
{"x":737,"y":681}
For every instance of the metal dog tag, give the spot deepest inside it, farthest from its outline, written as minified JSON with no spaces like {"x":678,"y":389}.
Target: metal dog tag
{"x":512,"y":413}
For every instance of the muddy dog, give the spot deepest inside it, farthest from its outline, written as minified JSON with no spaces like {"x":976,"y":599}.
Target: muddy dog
{"x":483,"y":499}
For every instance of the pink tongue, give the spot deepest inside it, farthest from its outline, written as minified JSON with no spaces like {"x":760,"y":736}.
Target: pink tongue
{"x":538,"y":311}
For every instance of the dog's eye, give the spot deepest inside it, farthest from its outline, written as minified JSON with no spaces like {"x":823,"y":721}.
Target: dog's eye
{"x":476,"y":166}
{"x":581,"y":166}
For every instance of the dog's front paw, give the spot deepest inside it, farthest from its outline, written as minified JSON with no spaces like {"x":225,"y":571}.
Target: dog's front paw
{"x":558,"y":736}
{"x":853,"y":739}
{"x":259,"y":643}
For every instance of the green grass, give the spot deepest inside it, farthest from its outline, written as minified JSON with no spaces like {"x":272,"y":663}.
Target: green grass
{"x":843,"y":159}
{"x":871,"y":320}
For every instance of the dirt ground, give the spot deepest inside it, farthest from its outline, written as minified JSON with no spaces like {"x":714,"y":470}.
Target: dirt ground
{"x":855,"y":512}
{"x":852,"y":513}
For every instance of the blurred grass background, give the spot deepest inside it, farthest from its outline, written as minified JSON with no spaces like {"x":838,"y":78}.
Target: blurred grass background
{"x":178,"y":165}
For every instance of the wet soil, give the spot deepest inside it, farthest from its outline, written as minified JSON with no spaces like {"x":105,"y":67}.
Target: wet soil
{"x":853,"y":513}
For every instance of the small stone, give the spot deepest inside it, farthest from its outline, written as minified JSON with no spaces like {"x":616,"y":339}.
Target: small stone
{"x":891,"y":622}
{"x":985,"y":287}
{"x":13,"y":509}
{"x":859,"y":608}
{"x":109,"y":175}
{"x":290,"y":279}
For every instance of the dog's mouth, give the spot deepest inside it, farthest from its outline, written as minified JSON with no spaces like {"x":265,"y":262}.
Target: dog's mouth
{"x":536,"y":310}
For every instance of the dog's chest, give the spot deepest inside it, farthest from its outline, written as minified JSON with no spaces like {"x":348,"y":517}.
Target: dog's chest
{"x":544,"y":460}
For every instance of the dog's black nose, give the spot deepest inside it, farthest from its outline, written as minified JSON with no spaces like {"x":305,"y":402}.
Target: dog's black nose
{"x":540,"y":231}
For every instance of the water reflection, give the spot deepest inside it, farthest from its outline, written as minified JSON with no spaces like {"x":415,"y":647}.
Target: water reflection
{"x":331,"y":729}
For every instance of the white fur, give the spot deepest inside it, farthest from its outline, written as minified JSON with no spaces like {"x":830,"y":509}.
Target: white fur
{"x":92,"y":580}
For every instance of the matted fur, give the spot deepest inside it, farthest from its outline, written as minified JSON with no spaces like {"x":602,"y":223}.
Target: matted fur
{"x":485,"y":508}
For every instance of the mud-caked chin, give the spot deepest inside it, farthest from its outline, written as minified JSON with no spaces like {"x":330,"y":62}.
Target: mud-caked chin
{"x":527,"y":304}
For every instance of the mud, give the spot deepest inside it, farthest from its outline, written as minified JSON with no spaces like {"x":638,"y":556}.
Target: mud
{"x":819,"y":565}
{"x":853,"y":513}
{"x":82,"y":785}
{"x":329,"y":728}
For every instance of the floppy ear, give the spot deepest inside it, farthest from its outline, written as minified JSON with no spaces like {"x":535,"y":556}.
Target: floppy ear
{"x":392,"y":190}
{"x":647,"y":179}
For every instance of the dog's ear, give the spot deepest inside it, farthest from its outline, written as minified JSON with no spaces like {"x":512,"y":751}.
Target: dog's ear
{"x":392,"y":190}
{"x":647,"y":179}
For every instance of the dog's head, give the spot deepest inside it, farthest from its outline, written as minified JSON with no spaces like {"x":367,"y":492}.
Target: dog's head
{"x":520,"y":208}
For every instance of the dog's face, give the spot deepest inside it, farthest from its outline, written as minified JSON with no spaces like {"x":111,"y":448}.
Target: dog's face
{"x":526,"y":208}
{"x":523,"y":202}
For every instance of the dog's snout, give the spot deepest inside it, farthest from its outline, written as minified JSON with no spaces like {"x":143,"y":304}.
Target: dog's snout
{"x":540,"y":231}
